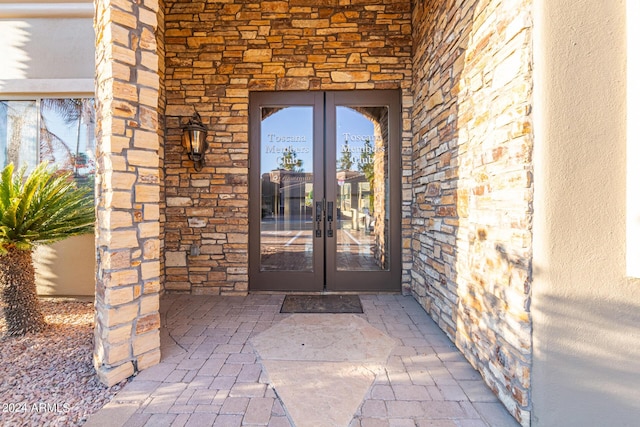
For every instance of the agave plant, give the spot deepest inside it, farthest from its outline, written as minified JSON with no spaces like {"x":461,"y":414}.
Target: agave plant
{"x":40,"y":209}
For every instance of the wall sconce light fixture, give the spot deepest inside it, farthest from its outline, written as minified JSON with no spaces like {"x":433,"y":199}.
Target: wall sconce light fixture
{"x":194,"y":139}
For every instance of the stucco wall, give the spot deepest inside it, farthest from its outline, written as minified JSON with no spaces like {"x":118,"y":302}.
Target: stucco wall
{"x":38,"y":48}
{"x":47,"y":47}
{"x":472,"y":184}
{"x":216,"y":53}
{"x":586,"y":312}
{"x":67,"y":267}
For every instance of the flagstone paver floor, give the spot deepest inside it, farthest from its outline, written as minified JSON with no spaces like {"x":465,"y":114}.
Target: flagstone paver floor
{"x":211,"y":374}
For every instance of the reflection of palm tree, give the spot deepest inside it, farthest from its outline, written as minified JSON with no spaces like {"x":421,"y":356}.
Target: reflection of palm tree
{"x":19,"y":116}
{"x":366,"y":167}
{"x":290,"y":161}
{"x":366,"y":160}
{"x":74,"y":112}
{"x":29,"y":130}
{"x":345,"y":162}
{"x":4,"y":112}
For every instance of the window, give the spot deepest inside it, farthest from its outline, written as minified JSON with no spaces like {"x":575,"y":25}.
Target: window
{"x":58,"y":130}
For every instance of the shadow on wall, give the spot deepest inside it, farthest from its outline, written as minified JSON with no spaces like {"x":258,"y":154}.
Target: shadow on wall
{"x":494,"y":202}
{"x":15,"y":36}
{"x":66,"y":268}
{"x":473,"y":185}
{"x":31,"y":46}
{"x":592,"y":375}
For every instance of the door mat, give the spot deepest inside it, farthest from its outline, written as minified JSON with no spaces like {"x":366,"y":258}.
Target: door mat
{"x":321,"y":304}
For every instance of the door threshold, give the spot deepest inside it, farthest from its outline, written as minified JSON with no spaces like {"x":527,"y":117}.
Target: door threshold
{"x":323,"y":293}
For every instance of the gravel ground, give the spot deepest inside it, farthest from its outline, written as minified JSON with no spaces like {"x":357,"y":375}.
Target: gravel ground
{"x":47,"y":379}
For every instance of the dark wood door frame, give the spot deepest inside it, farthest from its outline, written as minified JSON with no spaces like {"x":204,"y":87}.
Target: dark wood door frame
{"x":324,"y":276}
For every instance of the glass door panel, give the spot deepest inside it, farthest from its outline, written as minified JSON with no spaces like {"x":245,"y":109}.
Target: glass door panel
{"x":362,"y":178}
{"x":285,"y":186}
{"x":286,"y":189}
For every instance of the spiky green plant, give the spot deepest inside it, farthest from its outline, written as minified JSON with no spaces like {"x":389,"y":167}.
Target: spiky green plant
{"x":42,"y":208}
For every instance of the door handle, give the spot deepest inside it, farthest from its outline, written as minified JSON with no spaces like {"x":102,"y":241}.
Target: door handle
{"x":318,"y":219}
{"x":329,"y":219}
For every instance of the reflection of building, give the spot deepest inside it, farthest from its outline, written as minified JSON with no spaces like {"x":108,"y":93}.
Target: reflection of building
{"x":354,"y":197}
{"x":364,"y":194}
{"x":286,"y":195}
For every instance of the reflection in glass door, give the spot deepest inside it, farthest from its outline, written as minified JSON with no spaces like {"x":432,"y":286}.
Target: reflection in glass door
{"x":362,"y":167}
{"x":362,"y":178}
{"x":323,"y":216}
{"x":286,"y":184}
{"x":285,"y":156}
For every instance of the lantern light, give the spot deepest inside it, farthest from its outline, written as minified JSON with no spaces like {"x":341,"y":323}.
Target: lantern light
{"x":194,"y":139}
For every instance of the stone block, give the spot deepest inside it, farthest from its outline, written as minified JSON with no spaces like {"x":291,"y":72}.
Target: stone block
{"x":118,"y":199}
{"x":146,"y":139}
{"x":350,"y":76}
{"x":146,"y":342}
{"x":148,"y":359}
{"x":148,"y":97}
{"x":197,"y":222}
{"x":121,"y":17}
{"x":117,"y":34}
{"x":121,"y":180}
{"x":119,"y":239}
{"x":257,"y":55}
{"x":148,"y":323}
{"x":179,"y":201}
{"x":175,"y":259}
{"x":152,"y":5}
{"x":119,"y":296}
{"x":152,"y":286}
{"x":117,"y":335}
{"x":115,"y":144}
{"x":200,"y":182}
{"x":124,"y":91}
{"x":292,"y":83}
{"x":150,"y":270}
{"x":144,"y":158}
{"x":117,"y":353}
{"x":151,"y":212}
{"x":123,"y":55}
{"x":147,"y":194}
{"x":120,"y":277}
{"x":116,"y":260}
{"x":111,"y":376}
{"x":148,"y":79}
{"x":116,"y":219}
{"x":149,"y":304}
{"x":148,"y":17}
{"x":121,"y":314}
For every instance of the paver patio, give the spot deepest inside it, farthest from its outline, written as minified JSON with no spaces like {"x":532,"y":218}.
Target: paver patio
{"x":211,"y":374}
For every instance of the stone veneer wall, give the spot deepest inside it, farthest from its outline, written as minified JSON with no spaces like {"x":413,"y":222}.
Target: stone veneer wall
{"x":162,"y":105}
{"x":127,"y":188}
{"x":216,"y":53}
{"x":472,"y":189}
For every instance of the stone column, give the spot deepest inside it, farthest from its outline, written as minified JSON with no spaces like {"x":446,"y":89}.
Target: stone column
{"x":128,"y":286}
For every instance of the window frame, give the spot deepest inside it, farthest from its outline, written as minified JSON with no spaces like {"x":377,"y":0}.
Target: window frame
{"x":38,"y":97}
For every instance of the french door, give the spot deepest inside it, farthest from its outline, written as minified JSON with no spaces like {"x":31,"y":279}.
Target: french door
{"x":324,"y":208}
